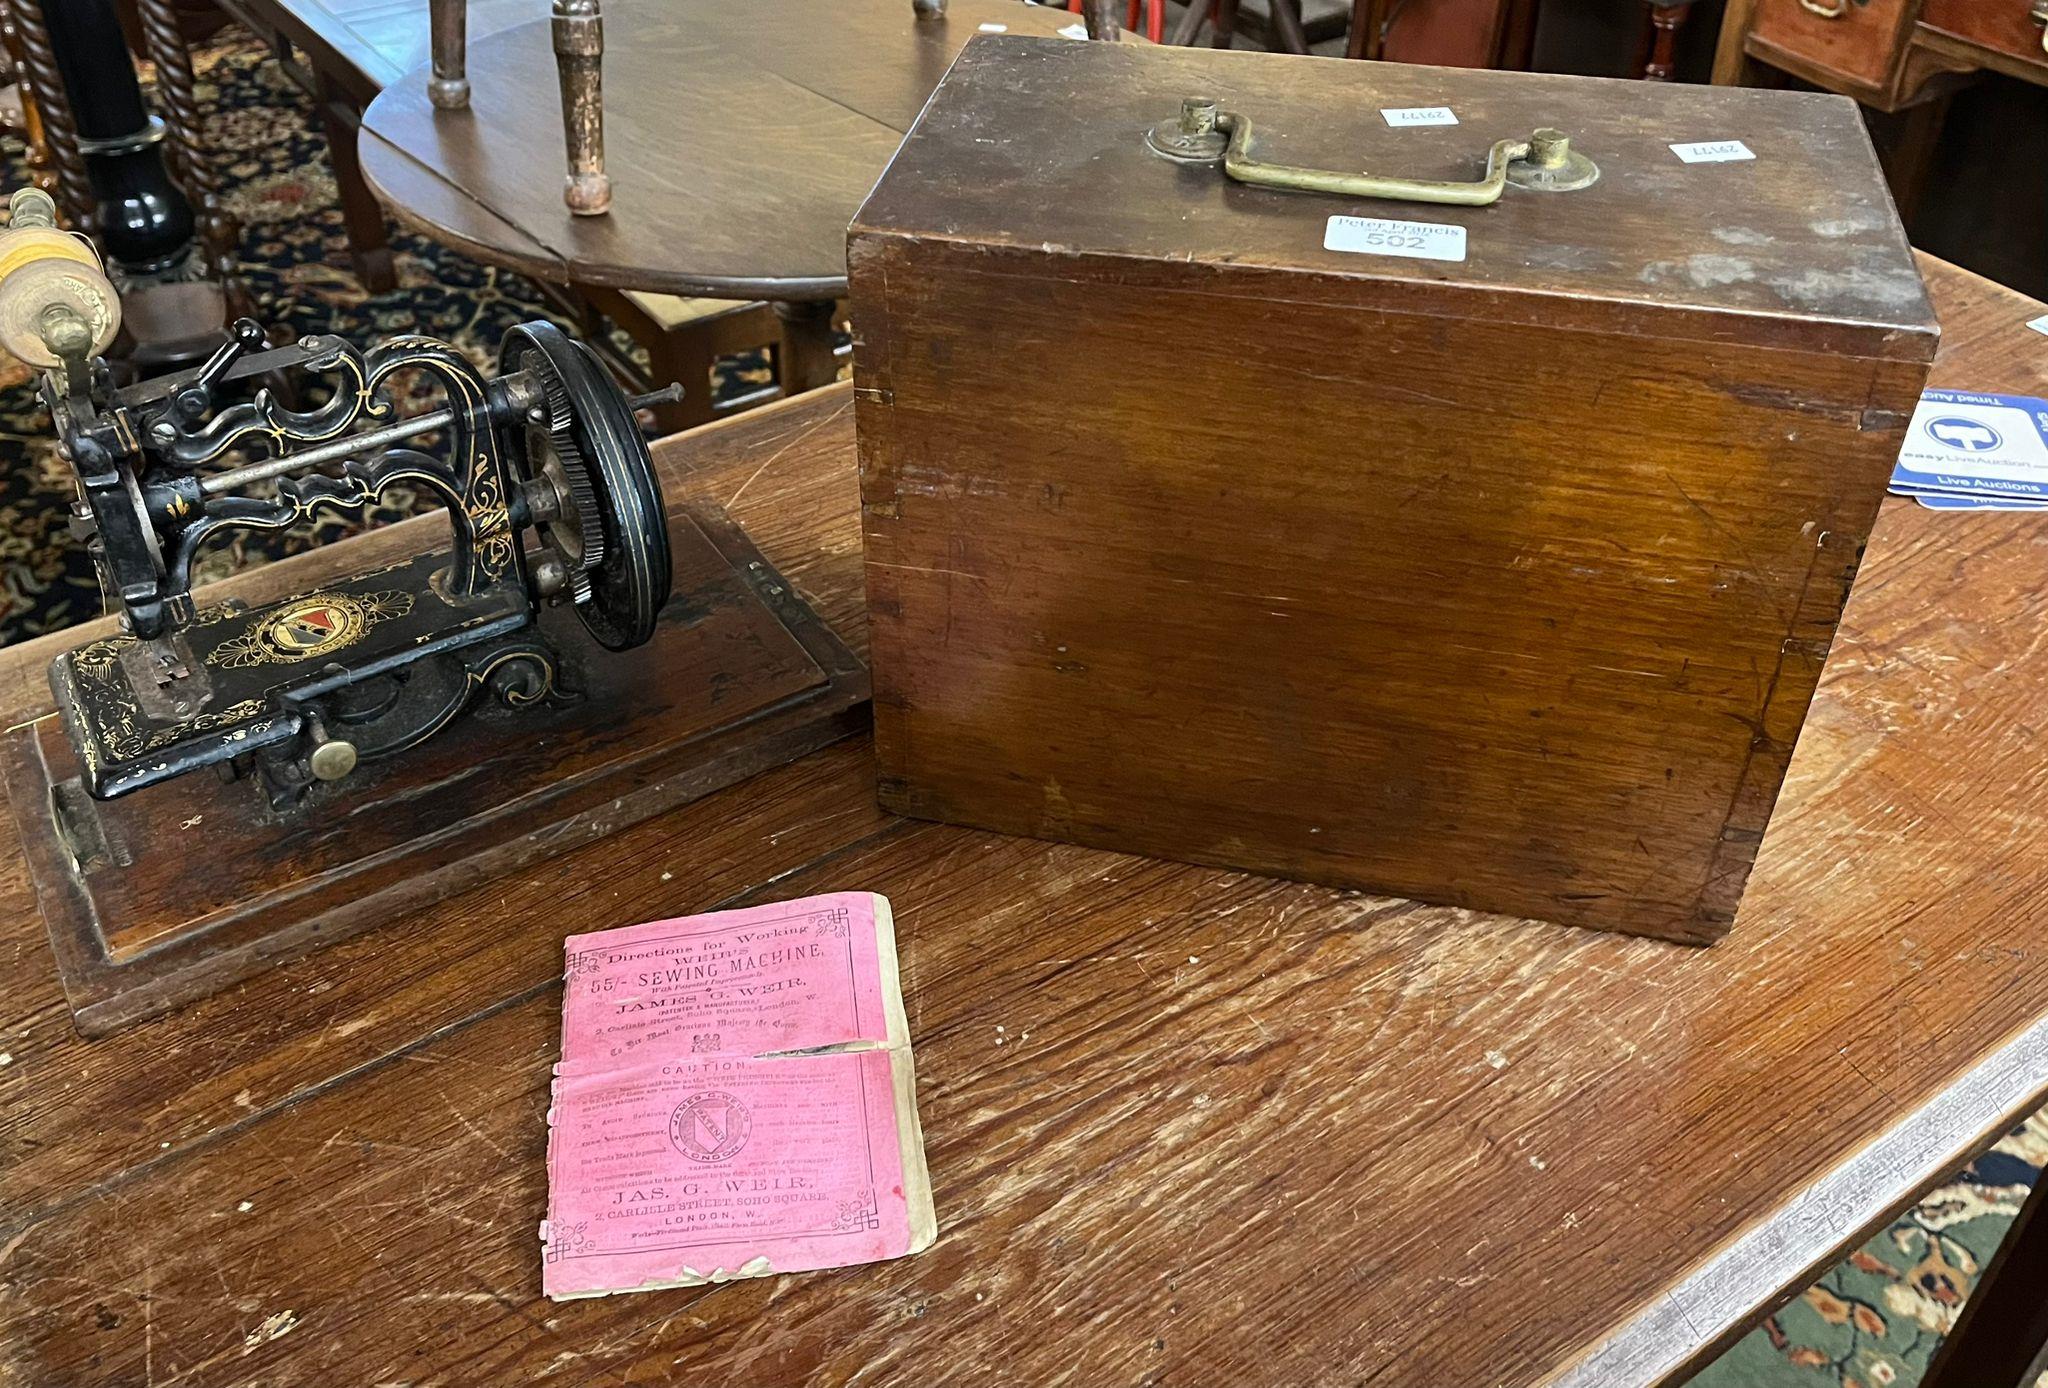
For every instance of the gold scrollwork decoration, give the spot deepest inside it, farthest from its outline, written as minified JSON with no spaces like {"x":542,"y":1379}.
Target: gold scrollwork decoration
{"x":483,"y":498}
{"x":354,"y":398}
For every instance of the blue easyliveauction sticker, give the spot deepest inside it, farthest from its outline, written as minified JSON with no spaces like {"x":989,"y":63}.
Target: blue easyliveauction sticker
{"x":1967,"y":445}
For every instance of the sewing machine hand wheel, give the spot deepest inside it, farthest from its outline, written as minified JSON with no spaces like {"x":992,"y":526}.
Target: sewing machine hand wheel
{"x":591,"y":488}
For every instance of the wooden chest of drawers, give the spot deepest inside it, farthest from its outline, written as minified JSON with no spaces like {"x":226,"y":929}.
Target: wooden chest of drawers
{"x":1856,"y":41}
{"x":1887,"y":53}
{"x":1486,"y":555}
{"x":2013,"y":28}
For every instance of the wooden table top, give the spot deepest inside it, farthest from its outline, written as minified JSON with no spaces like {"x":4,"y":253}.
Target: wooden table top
{"x":1184,"y":1126}
{"x":741,"y":138}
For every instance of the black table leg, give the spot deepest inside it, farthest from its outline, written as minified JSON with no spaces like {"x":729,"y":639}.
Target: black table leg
{"x":143,"y":220}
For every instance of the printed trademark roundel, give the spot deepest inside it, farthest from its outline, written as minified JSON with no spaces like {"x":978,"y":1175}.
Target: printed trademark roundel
{"x":709,"y":1127}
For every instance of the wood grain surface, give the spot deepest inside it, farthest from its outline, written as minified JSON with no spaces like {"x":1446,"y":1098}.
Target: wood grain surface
{"x":740,"y":139}
{"x":1036,"y":146}
{"x":1232,"y":1129}
{"x":1500,"y":582}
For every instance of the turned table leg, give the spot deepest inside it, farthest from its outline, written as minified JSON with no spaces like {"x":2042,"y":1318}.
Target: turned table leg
{"x":1660,"y":39}
{"x":805,"y":356}
{"x":1367,"y":18}
{"x":369,"y":242}
{"x":579,"y":59}
{"x":1190,"y":23}
{"x":1288,"y":34}
{"x":448,"y":22}
{"x":1226,"y":24}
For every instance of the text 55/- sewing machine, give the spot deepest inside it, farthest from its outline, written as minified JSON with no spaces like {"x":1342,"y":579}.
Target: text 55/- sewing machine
{"x":385,"y":735}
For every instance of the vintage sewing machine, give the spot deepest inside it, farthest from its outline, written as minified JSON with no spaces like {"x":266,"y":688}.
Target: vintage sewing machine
{"x":386,"y":735}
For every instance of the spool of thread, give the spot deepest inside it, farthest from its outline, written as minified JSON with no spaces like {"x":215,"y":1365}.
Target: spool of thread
{"x":54,"y":297}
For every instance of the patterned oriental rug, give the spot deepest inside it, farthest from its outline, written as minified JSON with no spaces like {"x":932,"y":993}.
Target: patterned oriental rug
{"x":1872,"y":1322}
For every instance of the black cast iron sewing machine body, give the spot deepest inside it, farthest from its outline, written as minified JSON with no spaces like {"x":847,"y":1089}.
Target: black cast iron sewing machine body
{"x":551,"y":497}
{"x":424,"y":715}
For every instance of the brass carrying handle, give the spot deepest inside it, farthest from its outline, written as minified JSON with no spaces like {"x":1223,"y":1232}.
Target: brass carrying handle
{"x":1205,"y":134}
{"x":1835,"y":9}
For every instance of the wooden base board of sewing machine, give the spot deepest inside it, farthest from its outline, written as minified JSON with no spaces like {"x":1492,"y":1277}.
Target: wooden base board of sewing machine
{"x":178,"y":890}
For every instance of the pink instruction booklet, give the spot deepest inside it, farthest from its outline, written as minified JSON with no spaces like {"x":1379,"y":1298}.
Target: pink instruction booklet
{"x":734,"y":1099}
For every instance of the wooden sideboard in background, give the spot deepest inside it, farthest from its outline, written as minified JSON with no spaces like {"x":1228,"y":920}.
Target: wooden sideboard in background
{"x":1888,"y":54}
{"x":1907,"y":57}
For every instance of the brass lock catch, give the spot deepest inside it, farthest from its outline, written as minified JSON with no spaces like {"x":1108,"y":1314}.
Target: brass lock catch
{"x":1206,"y":134}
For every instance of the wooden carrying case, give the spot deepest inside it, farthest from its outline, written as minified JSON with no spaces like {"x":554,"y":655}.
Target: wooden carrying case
{"x":1500,"y":582}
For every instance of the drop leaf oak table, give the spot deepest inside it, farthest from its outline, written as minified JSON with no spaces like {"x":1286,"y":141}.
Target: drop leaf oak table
{"x":1184,"y":1126}
{"x":739,"y":138}
{"x":351,"y":50}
